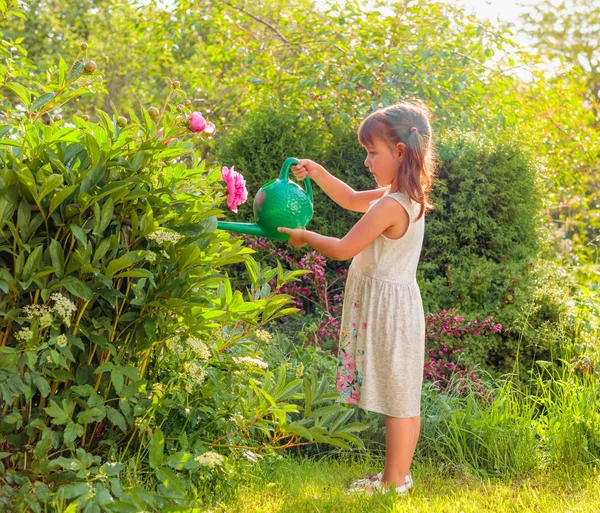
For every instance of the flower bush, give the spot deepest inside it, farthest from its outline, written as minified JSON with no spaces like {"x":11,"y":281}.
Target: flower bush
{"x":445,"y":345}
{"x":123,"y":347}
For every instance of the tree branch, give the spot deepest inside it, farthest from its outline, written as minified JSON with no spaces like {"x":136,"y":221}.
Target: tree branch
{"x":267,"y":24}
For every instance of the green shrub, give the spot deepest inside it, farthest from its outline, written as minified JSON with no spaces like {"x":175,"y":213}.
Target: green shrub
{"x":481,"y":240}
{"x":122,"y":342}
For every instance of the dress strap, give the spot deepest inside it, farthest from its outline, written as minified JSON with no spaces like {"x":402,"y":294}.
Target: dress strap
{"x":403,"y":199}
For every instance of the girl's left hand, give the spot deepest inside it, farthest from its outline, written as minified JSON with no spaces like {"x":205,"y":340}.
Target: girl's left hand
{"x":296,"y":236}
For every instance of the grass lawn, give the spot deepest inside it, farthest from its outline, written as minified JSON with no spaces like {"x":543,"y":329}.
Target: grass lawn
{"x":295,"y":486}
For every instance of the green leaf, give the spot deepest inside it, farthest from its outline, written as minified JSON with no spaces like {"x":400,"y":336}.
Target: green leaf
{"x":116,"y":418}
{"x":21,"y":92}
{"x":94,"y":414}
{"x":62,"y":71}
{"x":32,"y":263}
{"x":60,"y":196}
{"x":171,"y":481}
{"x":72,"y":432}
{"x":41,"y":383}
{"x":156,"y":449}
{"x":26,"y":178}
{"x":77,"y":287}
{"x":116,"y":376}
{"x":105,"y":217}
{"x":8,"y":203}
{"x":58,"y":258}
{"x":126,"y":260}
{"x":112,"y":469}
{"x":23,"y":219}
{"x":79,"y":234}
{"x":50,"y":184}
{"x":182,"y":460}
{"x":41,"y":101}
{"x":93,"y":149}
{"x":76,"y":70}
{"x":76,"y":490}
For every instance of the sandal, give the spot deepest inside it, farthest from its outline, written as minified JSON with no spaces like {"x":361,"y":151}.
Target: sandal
{"x":374,"y":482}
{"x":365,"y":480}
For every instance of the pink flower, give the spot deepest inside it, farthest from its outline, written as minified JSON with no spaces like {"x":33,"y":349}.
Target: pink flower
{"x":236,"y":188}
{"x":197,"y":122}
{"x":364,"y":325}
{"x":210,"y":128}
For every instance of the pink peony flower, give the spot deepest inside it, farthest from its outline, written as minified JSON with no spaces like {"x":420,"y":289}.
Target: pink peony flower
{"x":236,"y":188}
{"x":197,"y":122}
{"x":210,"y":128}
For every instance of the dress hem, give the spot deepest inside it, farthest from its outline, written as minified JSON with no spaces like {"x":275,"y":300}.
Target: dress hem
{"x":380,"y":410}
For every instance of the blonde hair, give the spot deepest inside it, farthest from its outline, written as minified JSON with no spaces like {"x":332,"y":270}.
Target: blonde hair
{"x":396,"y":124}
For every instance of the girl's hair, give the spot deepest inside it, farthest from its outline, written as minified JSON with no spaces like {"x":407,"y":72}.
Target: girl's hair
{"x":396,"y":124}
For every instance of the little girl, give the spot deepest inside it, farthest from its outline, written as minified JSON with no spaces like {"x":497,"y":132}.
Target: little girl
{"x":382,"y":341}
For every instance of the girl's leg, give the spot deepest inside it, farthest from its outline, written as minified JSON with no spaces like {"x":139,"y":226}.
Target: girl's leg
{"x":401,"y":436}
{"x":416,"y":432}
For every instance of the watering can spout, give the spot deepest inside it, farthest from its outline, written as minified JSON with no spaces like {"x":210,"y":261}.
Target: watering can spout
{"x":247,"y":228}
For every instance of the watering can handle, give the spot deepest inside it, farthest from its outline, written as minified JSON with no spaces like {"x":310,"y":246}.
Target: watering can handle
{"x":284,"y":175}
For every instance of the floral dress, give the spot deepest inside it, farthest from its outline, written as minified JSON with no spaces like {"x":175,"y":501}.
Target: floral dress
{"x":381,"y":350}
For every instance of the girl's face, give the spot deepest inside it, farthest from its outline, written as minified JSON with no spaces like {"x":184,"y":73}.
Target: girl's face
{"x":383,"y":162}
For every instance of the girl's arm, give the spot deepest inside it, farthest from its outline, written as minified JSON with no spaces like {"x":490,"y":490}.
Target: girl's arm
{"x":340,"y":192}
{"x":384,"y":214}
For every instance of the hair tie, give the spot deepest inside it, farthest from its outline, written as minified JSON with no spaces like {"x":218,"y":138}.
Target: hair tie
{"x":414,"y":129}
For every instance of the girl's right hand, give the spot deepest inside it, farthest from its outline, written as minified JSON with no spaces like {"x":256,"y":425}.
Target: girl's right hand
{"x":307,"y":167}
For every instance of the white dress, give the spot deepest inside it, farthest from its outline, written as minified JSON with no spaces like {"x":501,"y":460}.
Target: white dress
{"x":381,"y":351}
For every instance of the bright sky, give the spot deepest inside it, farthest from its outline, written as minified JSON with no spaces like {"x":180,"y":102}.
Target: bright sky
{"x":506,"y":10}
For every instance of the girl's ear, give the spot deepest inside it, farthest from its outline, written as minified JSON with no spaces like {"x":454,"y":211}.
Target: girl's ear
{"x":400,"y":150}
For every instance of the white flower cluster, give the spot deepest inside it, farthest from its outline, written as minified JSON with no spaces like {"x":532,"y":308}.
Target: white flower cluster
{"x":63,"y":307}
{"x":61,"y":341}
{"x":300,"y":371}
{"x":200,"y":348}
{"x":264,"y":335}
{"x":163,"y":236}
{"x":24,"y":334}
{"x":40,"y":313}
{"x":253,"y":362}
{"x":210,"y":459}
{"x":150,"y":256}
{"x":196,"y":374}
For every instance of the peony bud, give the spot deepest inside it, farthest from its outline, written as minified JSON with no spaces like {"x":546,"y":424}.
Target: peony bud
{"x":84,"y":46}
{"x":153,"y":112}
{"x":197,"y":123}
{"x":175,"y":84}
{"x":86,"y":117}
{"x":57,"y":117}
{"x":121,"y":121}
{"x":105,"y":58}
{"x":90,"y":67}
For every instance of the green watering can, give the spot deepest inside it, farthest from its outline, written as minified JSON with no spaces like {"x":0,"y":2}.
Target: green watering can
{"x":277,"y":203}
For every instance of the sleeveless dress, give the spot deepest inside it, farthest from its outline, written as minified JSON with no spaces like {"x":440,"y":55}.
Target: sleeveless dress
{"x":381,"y":350}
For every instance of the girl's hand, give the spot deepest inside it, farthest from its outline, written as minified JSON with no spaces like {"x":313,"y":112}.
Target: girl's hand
{"x":307,"y":167}
{"x":296,"y":236}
